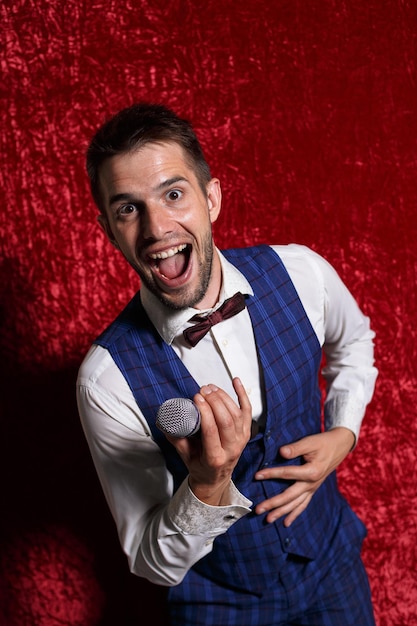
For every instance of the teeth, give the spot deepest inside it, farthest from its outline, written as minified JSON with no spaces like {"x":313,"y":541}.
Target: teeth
{"x":167,"y":253}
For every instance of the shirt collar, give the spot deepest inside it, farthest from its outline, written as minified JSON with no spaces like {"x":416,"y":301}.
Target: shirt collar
{"x":169,"y":323}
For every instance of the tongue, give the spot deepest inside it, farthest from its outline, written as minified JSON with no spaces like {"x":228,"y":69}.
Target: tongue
{"x":173,"y":266}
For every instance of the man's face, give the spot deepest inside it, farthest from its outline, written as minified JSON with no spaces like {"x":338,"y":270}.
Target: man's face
{"x":158,"y":216}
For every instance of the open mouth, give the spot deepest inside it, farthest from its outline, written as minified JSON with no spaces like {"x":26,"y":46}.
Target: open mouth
{"x":172,"y":263}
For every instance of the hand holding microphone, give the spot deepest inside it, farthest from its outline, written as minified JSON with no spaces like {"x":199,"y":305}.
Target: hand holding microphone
{"x":225,"y":427}
{"x":180,"y":417}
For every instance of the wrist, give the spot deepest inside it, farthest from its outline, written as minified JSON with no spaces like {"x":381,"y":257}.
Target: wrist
{"x":346,"y":437}
{"x":214,"y":495}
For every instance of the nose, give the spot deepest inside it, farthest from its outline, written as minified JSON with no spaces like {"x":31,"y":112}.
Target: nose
{"x":155,"y":223}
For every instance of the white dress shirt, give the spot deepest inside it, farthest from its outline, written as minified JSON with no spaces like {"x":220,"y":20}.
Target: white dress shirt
{"x":163,"y":534}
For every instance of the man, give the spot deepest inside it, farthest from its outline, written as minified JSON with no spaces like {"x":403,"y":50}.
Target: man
{"x":243,"y":521}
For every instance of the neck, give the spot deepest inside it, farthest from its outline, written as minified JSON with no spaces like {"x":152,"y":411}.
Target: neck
{"x":212,"y":294}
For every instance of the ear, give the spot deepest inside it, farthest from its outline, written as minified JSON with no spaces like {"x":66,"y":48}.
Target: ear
{"x":105,"y":226}
{"x":214,"y":199}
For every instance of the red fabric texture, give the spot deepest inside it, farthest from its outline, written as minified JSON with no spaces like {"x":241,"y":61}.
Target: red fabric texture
{"x":307,"y":112}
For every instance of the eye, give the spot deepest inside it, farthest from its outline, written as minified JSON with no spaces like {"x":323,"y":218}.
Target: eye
{"x":174,"y":194}
{"x":126,"y":210}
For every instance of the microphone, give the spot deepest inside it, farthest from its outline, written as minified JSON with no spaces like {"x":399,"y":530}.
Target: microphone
{"x":178,"y":417}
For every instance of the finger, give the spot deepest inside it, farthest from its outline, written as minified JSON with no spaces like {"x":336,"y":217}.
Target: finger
{"x":307,"y":445}
{"x":306,"y":472}
{"x":292,"y":509}
{"x":186,"y":447}
{"x":218,"y":429}
{"x":296,"y":512}
{"x":227,"y":413}
{"x":245,"y":419}
{"x":218,"y":398}
{"x":283,"y":499}
{"x":208,"y":422}
{"x":243,"y":397}
{"x":228,"y":424}
{"x":204,"y":407}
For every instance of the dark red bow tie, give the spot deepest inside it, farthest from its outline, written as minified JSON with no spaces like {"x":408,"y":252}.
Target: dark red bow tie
{"x":229,"y":308}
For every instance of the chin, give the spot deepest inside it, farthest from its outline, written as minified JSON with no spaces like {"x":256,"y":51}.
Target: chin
{"x":178,"y":301}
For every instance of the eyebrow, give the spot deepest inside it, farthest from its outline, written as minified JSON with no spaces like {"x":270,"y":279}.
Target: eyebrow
{"x":171,"y":181}
{"x":121,"y":197}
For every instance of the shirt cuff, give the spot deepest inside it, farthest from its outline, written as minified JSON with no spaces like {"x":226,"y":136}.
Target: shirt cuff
{"x":343,"y":410}
{"x":194,"y":517}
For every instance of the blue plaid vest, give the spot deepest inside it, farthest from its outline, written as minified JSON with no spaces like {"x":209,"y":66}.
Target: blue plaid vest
{"x":248,"y":556}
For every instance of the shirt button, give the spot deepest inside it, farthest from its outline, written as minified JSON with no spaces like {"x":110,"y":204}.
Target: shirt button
{"x":287,"y":542}
{"x":225,"y":342}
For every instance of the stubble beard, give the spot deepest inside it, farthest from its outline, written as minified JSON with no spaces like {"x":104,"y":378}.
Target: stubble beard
{"x":189,"y":298}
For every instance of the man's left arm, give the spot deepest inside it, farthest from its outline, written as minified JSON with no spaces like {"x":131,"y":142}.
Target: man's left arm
{"x":350,"y":378}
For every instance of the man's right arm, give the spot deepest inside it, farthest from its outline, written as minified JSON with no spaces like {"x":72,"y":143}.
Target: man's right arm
{"x":163,"y":534}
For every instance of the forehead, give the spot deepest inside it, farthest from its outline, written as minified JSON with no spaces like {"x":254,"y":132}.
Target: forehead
{"x":146,"y":167}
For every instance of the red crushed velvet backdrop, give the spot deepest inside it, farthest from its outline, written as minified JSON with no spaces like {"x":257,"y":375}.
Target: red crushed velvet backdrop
{"x":307,"y":111}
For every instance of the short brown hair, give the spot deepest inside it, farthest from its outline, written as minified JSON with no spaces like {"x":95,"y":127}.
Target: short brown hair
{"x":134,"y":127}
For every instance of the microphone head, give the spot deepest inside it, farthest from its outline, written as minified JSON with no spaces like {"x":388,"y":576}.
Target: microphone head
{"x":178,"y":417}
